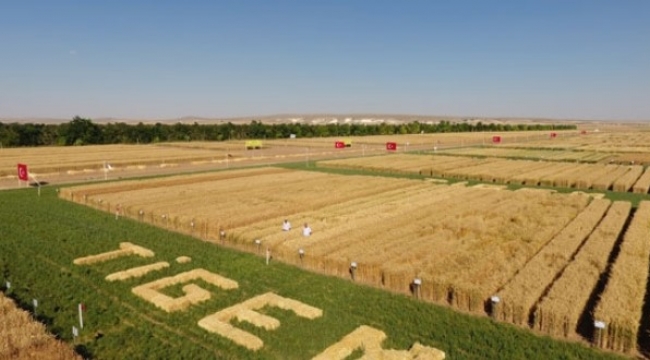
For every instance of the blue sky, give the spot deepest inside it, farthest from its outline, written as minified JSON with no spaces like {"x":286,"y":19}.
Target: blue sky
{"x":586,"y":59}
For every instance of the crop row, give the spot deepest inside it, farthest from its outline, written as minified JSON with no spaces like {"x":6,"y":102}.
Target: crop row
{"x":227,"y":199}
{"x":521,"y":293}
{"x":583,"y":176}
{"x":620,"y":306}
{"x":511,"y":152}
{"x":561,"y":308}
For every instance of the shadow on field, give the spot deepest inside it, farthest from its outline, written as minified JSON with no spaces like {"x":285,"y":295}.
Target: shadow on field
{"x":642,"y":337}
{"x":37,"y":184}
{"x":83,"y":351}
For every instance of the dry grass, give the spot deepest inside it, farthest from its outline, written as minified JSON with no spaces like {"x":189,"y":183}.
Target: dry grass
{"x":558,"y":312}
{"x":126,"y":249}
{"x":621,"y":303}
{"x":183,"y":259}
{"x":23,"y":338}
{"x":219,"y":322}
{"x":369,"y":340}
{"x":136,"y":272}
{"x":193,"y":293}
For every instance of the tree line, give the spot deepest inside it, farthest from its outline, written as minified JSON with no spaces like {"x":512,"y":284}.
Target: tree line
{"x":82,"y":131}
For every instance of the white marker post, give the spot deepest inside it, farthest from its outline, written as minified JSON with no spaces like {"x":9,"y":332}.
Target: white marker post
{"x":599,"y":330}
{"x":494,"y":300}
{"x":417,"y":283}
{"x":35,"y":303}
{"x":38,"y":183}
{"x":268,"y":255}
{"x":75,"y":333}
{"x":81,"y":316}
{"x":353,"y":269}
{"x":8,"y":285}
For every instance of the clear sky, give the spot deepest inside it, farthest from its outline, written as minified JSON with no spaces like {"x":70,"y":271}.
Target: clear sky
{"x":587,"y":59}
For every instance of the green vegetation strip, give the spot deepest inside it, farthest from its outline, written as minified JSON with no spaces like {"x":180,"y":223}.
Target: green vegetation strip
{"x":41,"y":236}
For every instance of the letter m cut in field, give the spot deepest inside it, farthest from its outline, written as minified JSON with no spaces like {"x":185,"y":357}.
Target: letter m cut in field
{"x":22,"y":172}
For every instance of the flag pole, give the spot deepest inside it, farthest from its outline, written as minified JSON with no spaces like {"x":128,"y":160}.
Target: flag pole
{"x":38,"y":183}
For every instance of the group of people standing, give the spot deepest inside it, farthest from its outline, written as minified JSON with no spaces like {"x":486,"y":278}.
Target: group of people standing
{"x":306,"y":230}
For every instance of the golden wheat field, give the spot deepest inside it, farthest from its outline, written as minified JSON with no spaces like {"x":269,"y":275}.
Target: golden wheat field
{"x":614,"y":142}
{"x":621,"y":178}
{"x":464,"y":244}
{"x":531,"y":257}
{"x":71,"y":160}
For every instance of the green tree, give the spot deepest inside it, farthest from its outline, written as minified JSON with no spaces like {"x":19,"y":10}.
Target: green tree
{"x":82,"y":131}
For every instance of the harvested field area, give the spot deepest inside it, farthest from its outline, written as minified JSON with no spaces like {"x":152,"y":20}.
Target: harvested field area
{"x":620,"y":178}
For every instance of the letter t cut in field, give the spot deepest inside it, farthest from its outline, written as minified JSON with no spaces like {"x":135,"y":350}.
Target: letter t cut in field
{"x":22,"y":172}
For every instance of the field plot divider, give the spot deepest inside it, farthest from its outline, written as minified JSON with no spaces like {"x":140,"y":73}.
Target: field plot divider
{"x":586,"y":321}
{"x":562,"y":311}
{"x":533,"y":281}
{"x":541,"y":249}
{"x":561,"y":272}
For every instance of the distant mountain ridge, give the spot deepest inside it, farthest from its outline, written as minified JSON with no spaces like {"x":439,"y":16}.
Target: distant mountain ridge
{"x":308,"y":119}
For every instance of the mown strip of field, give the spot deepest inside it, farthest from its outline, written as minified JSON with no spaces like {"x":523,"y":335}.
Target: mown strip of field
{"x":40,"y":237}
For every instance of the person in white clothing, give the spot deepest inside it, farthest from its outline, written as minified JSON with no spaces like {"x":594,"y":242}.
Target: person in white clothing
{"x":286,"y":225}
{"x":306,"y":230}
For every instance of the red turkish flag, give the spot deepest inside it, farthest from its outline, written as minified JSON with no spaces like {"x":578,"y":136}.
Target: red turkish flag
{"x":553,"y":135}
{"x":339,"y":145}
{"x":22,"y":172}
{"x":496,"y":139}
{"x":392,"y":146}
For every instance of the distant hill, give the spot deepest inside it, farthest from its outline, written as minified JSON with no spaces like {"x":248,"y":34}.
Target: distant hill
{"x":310,"y":119}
